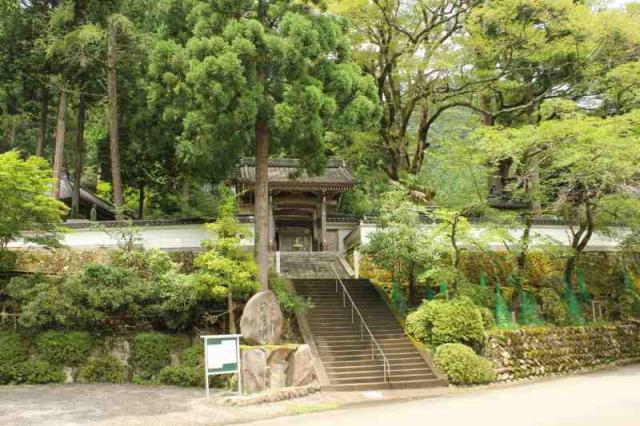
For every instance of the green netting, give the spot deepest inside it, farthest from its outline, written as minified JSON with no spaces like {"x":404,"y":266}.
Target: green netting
{"x":429,"y":294}
{"x":397,"y":298}
{"x":502,"y":314}
{"x":575,"y":313}
{"x":583,"y":293}
{"x":483,"y":280}
{"x":528,"y":309}
{"x":444,"y":289}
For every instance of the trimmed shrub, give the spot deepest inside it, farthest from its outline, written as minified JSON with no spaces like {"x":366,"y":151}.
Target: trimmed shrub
{"x":185,"y":376}
{"x":463,"y":366}
{"x":106,"y":369}
{"x":438,"y":321}
{"x":13,"y":351}
{"x":150,"y":353}
{"x":60,"y":348}
{"x":552,"y":308}
{"x":36,"y":372}
{"x":192,"y":356}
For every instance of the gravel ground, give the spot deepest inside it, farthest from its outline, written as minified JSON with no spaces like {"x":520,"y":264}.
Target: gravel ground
{"x":134,"y":405}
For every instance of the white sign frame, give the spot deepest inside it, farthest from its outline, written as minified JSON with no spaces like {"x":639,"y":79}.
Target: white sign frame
{"x":224,"y":361}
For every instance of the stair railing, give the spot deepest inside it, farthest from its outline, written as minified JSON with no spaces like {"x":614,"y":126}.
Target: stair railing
{"x":363,"y":325}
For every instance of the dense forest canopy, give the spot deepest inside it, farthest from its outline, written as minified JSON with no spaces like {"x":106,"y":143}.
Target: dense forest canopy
{"x":150,"y":103}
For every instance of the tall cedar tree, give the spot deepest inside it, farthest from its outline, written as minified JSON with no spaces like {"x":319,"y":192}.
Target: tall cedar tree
{"x":264,"y":77}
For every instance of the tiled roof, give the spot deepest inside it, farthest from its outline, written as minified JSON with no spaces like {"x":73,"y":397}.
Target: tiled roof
{"x":289,"y":175}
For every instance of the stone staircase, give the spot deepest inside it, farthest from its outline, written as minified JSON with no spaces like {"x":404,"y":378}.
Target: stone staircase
{"x":311,"y":265}
{"x":345,"y":357}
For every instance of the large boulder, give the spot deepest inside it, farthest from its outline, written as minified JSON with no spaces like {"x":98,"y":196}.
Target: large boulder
{"x":254,"y":370}
{"x":262,"y":321}
{"x":301,"y":371}
{"x":277,"y":375}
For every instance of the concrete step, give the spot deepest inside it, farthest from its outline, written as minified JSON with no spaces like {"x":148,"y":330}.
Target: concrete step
{"x":345,"y":354}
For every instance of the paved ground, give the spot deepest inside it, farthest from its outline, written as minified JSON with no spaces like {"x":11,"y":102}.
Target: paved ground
{"x":131,"y":405}
{"x":610,"y":398}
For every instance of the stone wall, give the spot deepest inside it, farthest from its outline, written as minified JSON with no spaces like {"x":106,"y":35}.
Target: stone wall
{"x":533,"y":352}
{"x":275,"y":367}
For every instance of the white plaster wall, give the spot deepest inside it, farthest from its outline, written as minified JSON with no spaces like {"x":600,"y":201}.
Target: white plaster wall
{"x":170,"y":238}
{"x":539,"y":233}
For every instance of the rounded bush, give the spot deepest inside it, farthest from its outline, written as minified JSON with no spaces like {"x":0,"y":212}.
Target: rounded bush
{"x":107,"y":369}
{"x":462,"y":365}
{"x":185,"y":376}
{"x":13,"y":351}
{"x":150,"y":353}
{"x":439,"y":321}
{"x":36,"y":372}
{"x":62,"y":348}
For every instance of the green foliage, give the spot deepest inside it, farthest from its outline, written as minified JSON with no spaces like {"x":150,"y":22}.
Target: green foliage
{"x":574,"y":312}
{"x":397,"y":298}
{"x":463,"y":366}
{"x":503,"y":314}
{"x":488,"y":320}
{"x":438,"y":321}
{"x":147,"y":264}
{"x":528,"y":309}
{"x":225,"y":267}
{"x":13,"y":351}
{"x":26,"y":203}
{"x":103,"y":296}
{"x":64,"y":348}
{"x":192,"y":356}
{"x":552,"y":308}
{"x":36,"y":372}
{"x":583,"y":293}
{"x":190,"y":372}
{"x":185,"y":376}
{"x":480,"y":295}
{"x":103,"y":369}
{"x":291,"y":304}
{"x":150,"y":352}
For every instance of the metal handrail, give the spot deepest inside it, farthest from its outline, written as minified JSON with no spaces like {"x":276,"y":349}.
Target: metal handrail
{"x":363,"y":326}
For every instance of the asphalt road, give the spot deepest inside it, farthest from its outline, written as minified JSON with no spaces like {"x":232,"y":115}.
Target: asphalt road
{"x":608,"y":398}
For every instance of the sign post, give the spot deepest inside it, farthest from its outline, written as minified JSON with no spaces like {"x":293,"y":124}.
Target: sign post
{"x":222,"y":356}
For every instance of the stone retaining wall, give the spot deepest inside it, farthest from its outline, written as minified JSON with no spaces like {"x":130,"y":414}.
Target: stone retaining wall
{"x":273,"y":367}
{"x":532,"y":352}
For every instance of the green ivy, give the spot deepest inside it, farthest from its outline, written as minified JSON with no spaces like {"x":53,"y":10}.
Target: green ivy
{"x":62,"y":348}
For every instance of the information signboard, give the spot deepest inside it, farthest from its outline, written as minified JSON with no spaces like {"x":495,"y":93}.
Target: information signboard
{"x":222,"y":356}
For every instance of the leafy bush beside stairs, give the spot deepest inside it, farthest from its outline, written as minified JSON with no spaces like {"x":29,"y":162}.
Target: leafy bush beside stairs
{"x":462,"y":365}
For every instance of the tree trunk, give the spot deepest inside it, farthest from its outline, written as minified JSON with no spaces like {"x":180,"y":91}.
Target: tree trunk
{"x":42,"y":124}
{"x":412,"y":285}
{"x":114,"y":142}
{"x":232,"y":314}
{"x":141,"y":201}
{"x":79,"y":163}
{"x":568,"y":270}
{"x":262,"y":204}
{"x":58,"y":156}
